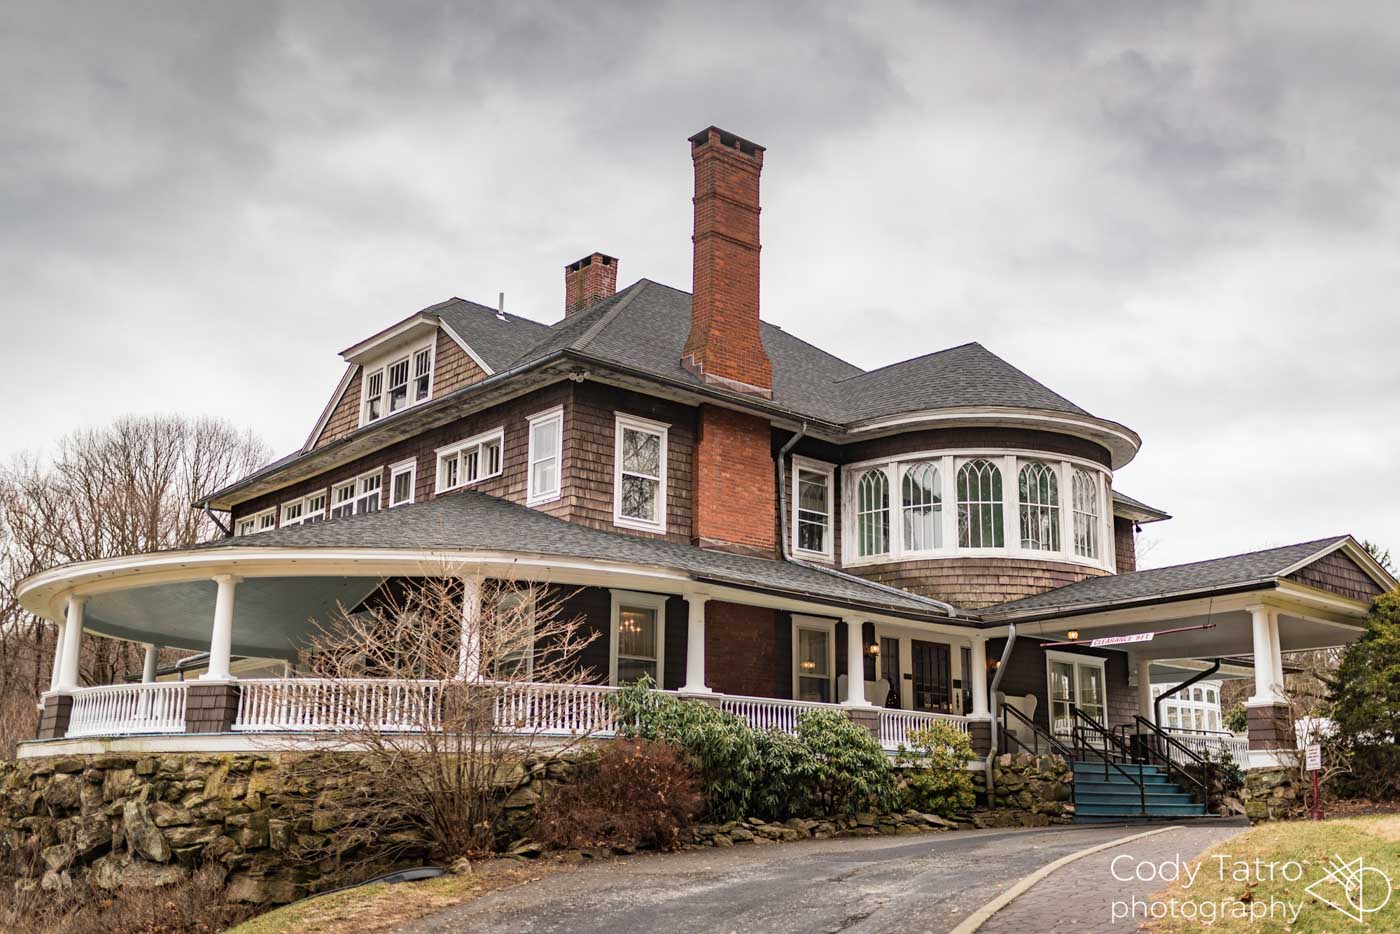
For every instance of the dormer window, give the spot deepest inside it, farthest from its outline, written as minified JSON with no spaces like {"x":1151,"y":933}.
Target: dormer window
{"x":394,"y":386}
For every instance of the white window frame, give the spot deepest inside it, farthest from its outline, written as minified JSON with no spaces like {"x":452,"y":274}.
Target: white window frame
{"x":940,"y":507}
{"x":534,"y":497}
{"x":304,"y":515}
{"x":827,"y":470}
{"x":458,"y":452}
{"x":335,"y":501}
{"x":1009,"y":462}
{"x":527,"y":595}
{"x":357,"y":485}
{"x":361,"y":493}
{"x":891,"y":545}
{"x":1092,"y":518}
{"x":1032,"y":511}
{"x":648,"y":601}
{"x":816,"y":624}
{"x":662,"y":430}
{"x":381,"y":368}
{"x":409,"y":467}
{"x":259,"y":521}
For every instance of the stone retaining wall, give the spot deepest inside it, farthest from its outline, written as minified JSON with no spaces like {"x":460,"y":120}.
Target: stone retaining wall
{"x":1273,"y":794}
{"x":1030,"y":791}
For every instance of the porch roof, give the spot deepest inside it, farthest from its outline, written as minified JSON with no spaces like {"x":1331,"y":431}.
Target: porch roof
{"x":468,"y":521}
{"x":1262,"y":570}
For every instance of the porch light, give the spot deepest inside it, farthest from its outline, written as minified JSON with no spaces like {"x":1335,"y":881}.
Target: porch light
{"x":809,"y":665}
{"x":1072,"y":635}
{"x":873,"y":648}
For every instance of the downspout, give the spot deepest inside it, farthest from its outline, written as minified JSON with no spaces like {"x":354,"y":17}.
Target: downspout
{"x":786,"y":548}
{"x":1157,"y":704}
{"x":992,"y":702}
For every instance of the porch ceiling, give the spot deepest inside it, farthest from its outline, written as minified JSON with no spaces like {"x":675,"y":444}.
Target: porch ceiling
{"x":273,"y":616}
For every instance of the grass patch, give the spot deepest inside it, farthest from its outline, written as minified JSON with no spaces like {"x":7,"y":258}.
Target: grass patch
{"x":1311,"y":845}
{"x":383,"y":907}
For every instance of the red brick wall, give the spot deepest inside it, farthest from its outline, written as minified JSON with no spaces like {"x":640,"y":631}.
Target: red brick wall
{"x":724,"y":341}
{"x":735,"y":500}
{"x":1124,"y":544}
{"x":743,"y":650}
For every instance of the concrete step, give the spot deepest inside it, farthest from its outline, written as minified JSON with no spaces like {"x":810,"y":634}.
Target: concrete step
{"x":1130,"y":799}
{"x":1125,"y":809}
{"x":1098,"y":784}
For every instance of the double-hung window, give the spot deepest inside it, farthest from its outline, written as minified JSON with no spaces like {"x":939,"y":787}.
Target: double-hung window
{"x":258,"y":522}
{"x":811,"y":506}
{"x":305,"y":511}
{"x":343,"y":500}
{"x":638,"y":635}
{"x":545,"y":456}
{"x":356,"y":496}
{"x":639,"y":474}
{"x":397,"y":384}
{"x":466,"y":462}
{"x":367,"y":497}
{"x":813,"y":660}
{"x":511,"y":656}
{"x":401,"y":481}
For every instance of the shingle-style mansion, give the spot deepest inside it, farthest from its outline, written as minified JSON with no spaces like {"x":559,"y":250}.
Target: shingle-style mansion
{"x":745,"y":517}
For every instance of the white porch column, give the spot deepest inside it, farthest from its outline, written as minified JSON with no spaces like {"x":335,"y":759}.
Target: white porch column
{"x":221,"y":638}
{"x":469,"y":654}
{"x":978,"y":678}
{"x":57,"y":656}
{"x":72,"y":643}
{"x":1268,"y":663}
{"x":148,"y":664}
{"x":855,"y":666}
{"x":695,"y":646}
{"x":1144,"y":690}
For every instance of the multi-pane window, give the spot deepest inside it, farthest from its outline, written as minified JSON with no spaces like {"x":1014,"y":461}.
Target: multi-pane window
{"x":639,"y":481}
{"x":1086,"y":514}
{"x":466,"y":462}
{"x":546,"y":443}
{"x":305,"y":511}
{"x":813,"y":651}
{"x":401,"y":480}
{"x":1040,"y":507}
{"x":873,"y":513}
{"x":397,"y":384}
{"x":812,"y":509}
{"x":979,"y":505}
{"x":638,"y":634}
{"x":367,"y":499}
{"x":343,"y":500}
{"x":922,"y":508}
{"x":422,"y":374}
{"x":258,"y":522}
{"x":512,"y":654}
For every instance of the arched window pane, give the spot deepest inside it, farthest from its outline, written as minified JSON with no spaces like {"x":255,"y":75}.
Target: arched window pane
{"x":873,"y":513}
{"x":979,"y":506}
{"x":923,"y":508}
{"x":1040,"y":508}
{"x":1086,"y":514}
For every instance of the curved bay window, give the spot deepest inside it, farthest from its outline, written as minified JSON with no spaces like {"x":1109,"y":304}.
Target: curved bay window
{"x":922,"y":508}
{"x":873,"y":513}
{"x":1040,"y":507}
{"x":979,"y":505}
{"x":1086,"y":514}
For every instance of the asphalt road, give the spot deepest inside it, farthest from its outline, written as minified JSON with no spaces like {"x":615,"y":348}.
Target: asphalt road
{"x":925,"y":883}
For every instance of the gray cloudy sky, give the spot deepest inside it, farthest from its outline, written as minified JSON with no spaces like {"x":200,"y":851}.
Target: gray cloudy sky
{"x":1181,"y":216}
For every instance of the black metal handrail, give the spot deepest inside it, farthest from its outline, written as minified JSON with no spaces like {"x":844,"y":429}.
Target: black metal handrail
{"x":1051,"y":741}
{"x":1083,"y":723}
{"x":1155,"y":750}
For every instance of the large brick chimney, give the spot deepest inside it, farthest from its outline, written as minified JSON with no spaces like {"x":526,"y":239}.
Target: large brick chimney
{"x":724,"y":346}
{"x":735,"y":491}
{"x":589,"y":280}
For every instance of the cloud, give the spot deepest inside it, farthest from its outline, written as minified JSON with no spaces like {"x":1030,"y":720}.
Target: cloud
{"x":1180,"y":216}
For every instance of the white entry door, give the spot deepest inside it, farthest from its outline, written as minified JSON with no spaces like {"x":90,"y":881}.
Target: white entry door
{"x":1075,"y":679}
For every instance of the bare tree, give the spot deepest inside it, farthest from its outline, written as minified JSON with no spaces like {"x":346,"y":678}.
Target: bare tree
{"x":123,"y":489}
{"x":451,"y":725}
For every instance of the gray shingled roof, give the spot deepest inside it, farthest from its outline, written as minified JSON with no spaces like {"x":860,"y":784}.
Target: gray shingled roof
{"x":1138,"y":505}
{"x":1219,"y":573}
{"x":475,"y":521}
{"x":498,"y":339}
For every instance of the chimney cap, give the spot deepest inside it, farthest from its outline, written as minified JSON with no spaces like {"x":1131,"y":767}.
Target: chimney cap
{"x":727,"y":139}
{"x":601,"y":258}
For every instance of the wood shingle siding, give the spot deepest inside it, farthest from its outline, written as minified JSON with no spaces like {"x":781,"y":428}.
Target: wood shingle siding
{"x":1124,"y":544}
{"x":976,"y":582}
{"x":452,"y":367}
{"x":1336,"y":573}
{"x":345,"y":417}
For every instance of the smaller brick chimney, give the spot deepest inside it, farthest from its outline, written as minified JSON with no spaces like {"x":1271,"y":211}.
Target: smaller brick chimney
{"x":588,"y":281}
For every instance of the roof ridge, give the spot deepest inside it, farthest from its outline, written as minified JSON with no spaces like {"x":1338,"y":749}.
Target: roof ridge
{"x":607,"y":317}
{"x":1320,"y":542}
{"x":925,"y":356}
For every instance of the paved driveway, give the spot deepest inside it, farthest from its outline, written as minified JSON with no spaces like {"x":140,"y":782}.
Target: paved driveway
{"x":904,"y":884}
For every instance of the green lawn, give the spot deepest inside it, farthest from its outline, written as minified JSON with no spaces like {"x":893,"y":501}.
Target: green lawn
{"x":1303,"y":850}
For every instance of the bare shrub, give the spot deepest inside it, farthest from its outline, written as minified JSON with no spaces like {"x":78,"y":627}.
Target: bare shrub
{"x":635,"y":793}
{"x":448,"y":729}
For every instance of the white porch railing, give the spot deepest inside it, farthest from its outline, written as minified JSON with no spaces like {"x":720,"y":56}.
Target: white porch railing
{"x":896,"y":725}
{"x":1212,"y":744}
{"x":555,"y":709}
{"x":298,"y":705}
{"x":767,"y":713}
{"x":128,"y":708}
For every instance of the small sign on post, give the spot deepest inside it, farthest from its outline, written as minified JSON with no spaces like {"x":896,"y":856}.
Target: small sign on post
{"x":1313,"y":763}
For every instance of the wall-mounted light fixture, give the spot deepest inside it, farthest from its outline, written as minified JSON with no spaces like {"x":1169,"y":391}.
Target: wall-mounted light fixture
{"x":1072,"y":635}
{"x":873,"y":648}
